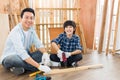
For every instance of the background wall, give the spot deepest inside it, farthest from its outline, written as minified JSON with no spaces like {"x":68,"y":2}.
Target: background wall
{"x":87,"y":19}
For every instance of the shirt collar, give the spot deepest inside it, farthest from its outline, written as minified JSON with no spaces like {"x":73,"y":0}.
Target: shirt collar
{"x":73,"y":36}
{"x":29,"y":30}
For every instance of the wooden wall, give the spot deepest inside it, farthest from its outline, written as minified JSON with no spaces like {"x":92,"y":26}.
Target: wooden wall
{"x":9,"y":6}
{"x":87,"y":19}
{"x":87,"y":15}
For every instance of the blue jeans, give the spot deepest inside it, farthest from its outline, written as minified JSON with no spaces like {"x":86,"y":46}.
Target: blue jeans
{"x":16,"y":61}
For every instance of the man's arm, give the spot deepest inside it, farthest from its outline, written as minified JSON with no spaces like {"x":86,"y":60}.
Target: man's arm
{"x":32,"y":62}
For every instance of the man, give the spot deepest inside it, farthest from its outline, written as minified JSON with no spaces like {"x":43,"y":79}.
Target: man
{"x":16,"y":55}
{"x":69,"y":44}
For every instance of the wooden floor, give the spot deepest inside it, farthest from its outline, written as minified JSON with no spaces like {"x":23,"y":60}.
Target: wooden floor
{"x":110,"y":70}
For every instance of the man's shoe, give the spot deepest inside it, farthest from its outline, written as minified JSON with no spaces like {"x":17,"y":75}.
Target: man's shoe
{"x":17,"y":70}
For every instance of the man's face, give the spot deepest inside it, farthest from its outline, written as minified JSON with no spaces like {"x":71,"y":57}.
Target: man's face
{"x":27,"y":20}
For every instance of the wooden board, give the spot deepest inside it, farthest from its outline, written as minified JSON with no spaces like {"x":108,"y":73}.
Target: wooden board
{"x":87,"y":20}
{"x":4,"y":30}
{"x":60,"y":71}
{"x":102,"y":32}
{"x":66,"y":70}
{"x":110,"y":28}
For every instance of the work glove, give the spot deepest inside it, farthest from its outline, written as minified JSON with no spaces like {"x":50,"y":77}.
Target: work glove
{"x":67,"y":54}
{"x":46,"y":59}
{"x":59,"y":54}
{"x":44,"y":68}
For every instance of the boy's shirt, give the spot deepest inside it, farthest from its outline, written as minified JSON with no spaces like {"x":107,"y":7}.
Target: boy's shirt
{"x":66,"y":44}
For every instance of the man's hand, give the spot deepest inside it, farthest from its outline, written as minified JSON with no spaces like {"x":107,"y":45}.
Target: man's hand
{"x":44,"y":68}
{"x":67,"y":54}
{"x":59,"y":54}
{"x":46,"y":59}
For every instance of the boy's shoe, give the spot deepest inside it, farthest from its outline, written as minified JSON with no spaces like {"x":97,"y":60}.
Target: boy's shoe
{"x":63,"y":64}
{"x":17,"y":70}
{"x":74,"y":64}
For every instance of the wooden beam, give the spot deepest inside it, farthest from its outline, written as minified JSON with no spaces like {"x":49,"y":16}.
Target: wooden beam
{"x":110,"y":27}
{"x":81,"y":31}
{"x":66,"y":70}
{"x":116,"y":28}
{"x":57,"y":8}
{"x":59,"y":71}
{"x":103,"y":26}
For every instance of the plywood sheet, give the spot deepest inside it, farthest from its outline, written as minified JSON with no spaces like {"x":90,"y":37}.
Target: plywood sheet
{"x":4,"y":30}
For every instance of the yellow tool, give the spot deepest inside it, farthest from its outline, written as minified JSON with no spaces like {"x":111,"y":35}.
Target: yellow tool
{"x":33,"y":74}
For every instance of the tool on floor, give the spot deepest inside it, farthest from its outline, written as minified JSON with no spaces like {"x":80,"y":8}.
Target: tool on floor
{"x":41,"y":77}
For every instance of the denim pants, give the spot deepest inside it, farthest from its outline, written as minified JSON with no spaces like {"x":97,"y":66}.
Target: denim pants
{"x":16,"y":61}
{"x":70,"y":60}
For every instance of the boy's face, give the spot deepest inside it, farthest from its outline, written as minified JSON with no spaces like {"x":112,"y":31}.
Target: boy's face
{"x":69,"y":30}
{"x":27,"y":20}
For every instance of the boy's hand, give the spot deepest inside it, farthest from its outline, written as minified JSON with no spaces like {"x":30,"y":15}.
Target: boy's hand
{"x":59,"y":54}
{"x":67,"y":54}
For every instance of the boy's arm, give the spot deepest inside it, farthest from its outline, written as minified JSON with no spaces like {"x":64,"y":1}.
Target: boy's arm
{"x":55,"y":46}
{"x":76,"y":52}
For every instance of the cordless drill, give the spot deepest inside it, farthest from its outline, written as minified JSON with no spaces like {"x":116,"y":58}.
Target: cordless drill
{"x":40,"y":77}
{"x":64,"y":60}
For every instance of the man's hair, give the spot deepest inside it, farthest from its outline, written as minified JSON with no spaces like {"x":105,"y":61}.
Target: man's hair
{"x":70,"y":23}
{"x":27,"y":10}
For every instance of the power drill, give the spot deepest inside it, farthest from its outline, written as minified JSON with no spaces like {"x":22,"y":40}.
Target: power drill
{"x":40,"y":77}
{"x":64,"y":62}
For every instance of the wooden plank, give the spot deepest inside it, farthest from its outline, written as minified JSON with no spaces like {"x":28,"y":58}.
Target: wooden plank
{"x":4,"y":30}
{"x":103,"y":26}
{"x":57,"y":8}
{"x":16,"y":19}
{"x":110,"y":27}
{"x":66,"y":70}
{"x":64,"y":13}
{"x":116,"y":28}
{"x":80,"y":31}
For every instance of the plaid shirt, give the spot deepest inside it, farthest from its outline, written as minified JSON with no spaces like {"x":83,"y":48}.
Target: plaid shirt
{"x":66,"y":44}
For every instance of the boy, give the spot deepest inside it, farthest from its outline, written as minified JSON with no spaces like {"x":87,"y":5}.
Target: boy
{"x":69,"y":45}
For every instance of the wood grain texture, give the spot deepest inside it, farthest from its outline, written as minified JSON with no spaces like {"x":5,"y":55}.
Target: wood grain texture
{"x":87,"y":19}
{"x":70,"y":70}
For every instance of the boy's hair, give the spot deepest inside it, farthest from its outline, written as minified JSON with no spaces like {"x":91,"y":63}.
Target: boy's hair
{"x":70,"y":23}
{"x":27,"y":10}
